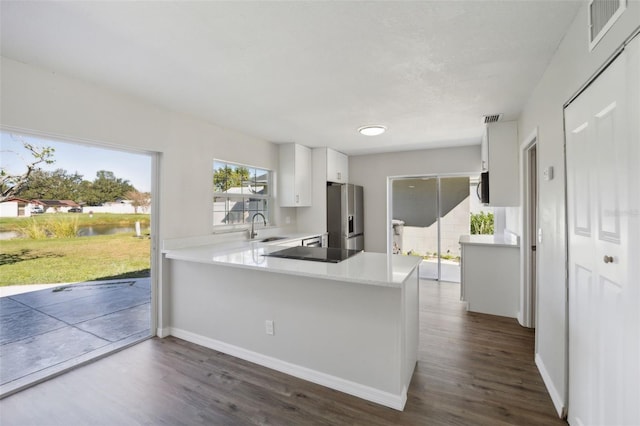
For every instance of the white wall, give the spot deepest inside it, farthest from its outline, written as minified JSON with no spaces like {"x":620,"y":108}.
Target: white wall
{"x":9,"y":209}
{"x":569,"y":69}
{"x":371,"y":171}
{"x":43,"y":102}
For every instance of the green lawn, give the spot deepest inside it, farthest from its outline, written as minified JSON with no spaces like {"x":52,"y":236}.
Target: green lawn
{"x":62,"y":260}
{"x":98,"y":219}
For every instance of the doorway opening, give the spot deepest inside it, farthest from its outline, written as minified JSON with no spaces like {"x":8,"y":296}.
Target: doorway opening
{"x":428,"y":216}
{"x":528,"y":252}
{"x":76,"y":269}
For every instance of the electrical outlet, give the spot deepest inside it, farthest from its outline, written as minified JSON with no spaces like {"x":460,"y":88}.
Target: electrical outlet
{"x":269,"y":327}
{"x":287,"y":220}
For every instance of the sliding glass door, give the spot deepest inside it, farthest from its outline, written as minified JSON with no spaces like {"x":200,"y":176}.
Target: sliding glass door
{"x":428,"y":216}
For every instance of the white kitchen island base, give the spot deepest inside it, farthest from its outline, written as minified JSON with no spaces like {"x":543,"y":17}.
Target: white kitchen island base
{"x":490,"y":274}
{"x":358,"y":338}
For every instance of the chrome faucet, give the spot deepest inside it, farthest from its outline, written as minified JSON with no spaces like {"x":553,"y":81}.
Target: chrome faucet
{"x":252,"y":233}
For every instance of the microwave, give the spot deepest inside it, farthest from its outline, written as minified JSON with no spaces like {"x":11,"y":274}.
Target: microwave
{"x":482,"y":189}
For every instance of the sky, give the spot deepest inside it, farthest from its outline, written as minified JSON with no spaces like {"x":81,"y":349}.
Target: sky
{"x":84,"y":159}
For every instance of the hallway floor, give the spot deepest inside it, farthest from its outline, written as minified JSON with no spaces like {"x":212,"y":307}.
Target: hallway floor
{"x":473,"y":369}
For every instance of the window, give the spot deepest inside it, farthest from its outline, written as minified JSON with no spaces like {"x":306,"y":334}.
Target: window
{"x":239,"y":192}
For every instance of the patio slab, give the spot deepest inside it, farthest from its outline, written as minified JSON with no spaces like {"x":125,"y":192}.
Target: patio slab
{"x":30,"y":355}
{"x":47,"y":331}
{"x":24,"y":324}
{"x":69,"y":292}
{"x":9,"y":306}
{"x":119,"y":325}
{"x":96,"y":305}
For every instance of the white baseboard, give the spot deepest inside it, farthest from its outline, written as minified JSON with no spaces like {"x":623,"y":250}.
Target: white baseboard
{"x":553,"y":392}
{"x":352,"y":388}
{"x":163,"y":332}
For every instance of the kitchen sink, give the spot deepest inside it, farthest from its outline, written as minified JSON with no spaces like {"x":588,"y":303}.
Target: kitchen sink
{"x":268,"y":240}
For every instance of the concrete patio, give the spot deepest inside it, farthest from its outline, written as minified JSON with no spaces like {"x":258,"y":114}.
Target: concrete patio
{"x":45,"y":332}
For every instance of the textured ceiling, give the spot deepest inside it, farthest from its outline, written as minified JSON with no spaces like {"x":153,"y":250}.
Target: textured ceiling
{"x":306,"y":72}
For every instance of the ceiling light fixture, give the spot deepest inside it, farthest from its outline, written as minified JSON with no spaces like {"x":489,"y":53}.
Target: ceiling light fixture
{"x":372,"y":130}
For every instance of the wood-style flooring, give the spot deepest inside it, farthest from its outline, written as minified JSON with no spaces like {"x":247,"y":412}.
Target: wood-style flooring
{"x":473,"y":369}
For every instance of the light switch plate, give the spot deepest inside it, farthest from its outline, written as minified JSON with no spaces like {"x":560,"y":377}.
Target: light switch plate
{"x":547,"y":173}
{"x":269,"y":327}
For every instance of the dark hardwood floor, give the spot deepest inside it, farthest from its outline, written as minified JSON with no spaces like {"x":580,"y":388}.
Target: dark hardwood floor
{"x":473,"y":369}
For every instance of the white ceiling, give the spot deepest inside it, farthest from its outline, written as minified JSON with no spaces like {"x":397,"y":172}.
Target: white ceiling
{"x":306,"y":72}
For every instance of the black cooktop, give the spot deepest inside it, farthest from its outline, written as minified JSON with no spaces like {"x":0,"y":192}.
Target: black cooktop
{"x":315,"y":254}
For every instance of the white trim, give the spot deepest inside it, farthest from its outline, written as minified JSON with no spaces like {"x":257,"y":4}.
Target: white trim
{"x":389,"y":221}
{"x":356,"y":389}
{"x":553,"y":392}
{"x":157,"y":315}
{"x":526,"y":310}
{"x":163,"y":332}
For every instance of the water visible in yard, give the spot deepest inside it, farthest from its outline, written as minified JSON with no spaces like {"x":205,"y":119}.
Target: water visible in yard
{"x":87,"y":231}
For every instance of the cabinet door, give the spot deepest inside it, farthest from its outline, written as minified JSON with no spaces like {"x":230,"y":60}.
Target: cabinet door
{"x":484,"y":151}
{"x":337,"y":166}
{"x":302,"y":196}
{"x":294,"y":181}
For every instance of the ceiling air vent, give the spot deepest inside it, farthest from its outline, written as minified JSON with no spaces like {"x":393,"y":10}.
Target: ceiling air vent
{"x":492,"y":118}
{"x":602,"y":15}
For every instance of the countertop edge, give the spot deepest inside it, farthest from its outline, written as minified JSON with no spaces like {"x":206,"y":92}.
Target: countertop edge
{"x":176,"y":255}
{"x":490,"y":241}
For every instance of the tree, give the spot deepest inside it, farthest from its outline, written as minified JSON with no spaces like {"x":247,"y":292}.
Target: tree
{"x":10,"y":183}
{"x":482,"y":223}
{"x":139,"y":199}
{"x":106,"y":187}
{"x":226,"y":178}
{"x":52,"y":185}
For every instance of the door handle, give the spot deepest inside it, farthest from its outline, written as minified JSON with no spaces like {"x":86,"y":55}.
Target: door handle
{"x":608,"y":259}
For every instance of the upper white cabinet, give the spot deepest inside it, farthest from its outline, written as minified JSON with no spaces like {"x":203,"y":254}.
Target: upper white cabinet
{"x":294,"y":180}
{"x":328,"y":166}
{"x":337,"y":166}
{"x":484,"y":151}
{"x":500,"y":158}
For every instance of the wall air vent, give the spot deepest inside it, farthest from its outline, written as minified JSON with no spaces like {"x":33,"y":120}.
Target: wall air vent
{"x":491,"y":118}
{"x":602,"y":15}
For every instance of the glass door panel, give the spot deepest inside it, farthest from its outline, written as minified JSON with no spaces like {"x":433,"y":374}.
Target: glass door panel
{"x":454,"y":222}
{"x":415,"y":226}
{"x":429,"y":216}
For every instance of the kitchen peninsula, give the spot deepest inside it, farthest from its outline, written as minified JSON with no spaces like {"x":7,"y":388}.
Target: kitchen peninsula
{"x":351,"y":326}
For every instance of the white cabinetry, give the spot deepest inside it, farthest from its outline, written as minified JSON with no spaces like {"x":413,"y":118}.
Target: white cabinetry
{"x":294,"y":180}
{"x":337,"y":166}
{"x":484,"y":151}
{"x":490,"y":275}
{"x":324,"y":170}
{"x":500,"y":158}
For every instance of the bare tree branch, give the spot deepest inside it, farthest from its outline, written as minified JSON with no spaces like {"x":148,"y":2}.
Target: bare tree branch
{"x":11,"y":184}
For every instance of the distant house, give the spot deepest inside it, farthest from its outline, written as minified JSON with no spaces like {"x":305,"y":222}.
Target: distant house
{"x":55,"y":206}
{"x":120,"y":206}
{"x":19,"y":207}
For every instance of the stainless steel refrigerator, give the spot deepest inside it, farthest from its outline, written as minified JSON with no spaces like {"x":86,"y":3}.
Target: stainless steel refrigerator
{"x":345,"y":216}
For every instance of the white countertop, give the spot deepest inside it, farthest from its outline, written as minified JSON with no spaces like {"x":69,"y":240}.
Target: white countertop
{"x":364,"y":268}
{"x":491,"y":240}
{"x":232,"y":239}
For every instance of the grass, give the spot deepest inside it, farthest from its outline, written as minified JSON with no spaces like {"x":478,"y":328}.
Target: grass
{"x":83,"y":219}
{"x":63,"y":260}
{"x":55,"y":227}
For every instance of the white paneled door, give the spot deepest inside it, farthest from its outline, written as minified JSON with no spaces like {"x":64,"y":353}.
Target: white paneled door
{"x":603,"y":186}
